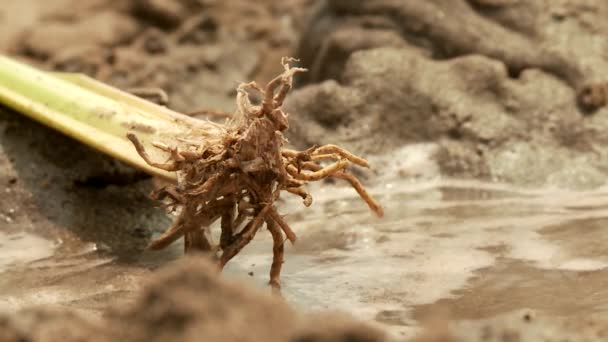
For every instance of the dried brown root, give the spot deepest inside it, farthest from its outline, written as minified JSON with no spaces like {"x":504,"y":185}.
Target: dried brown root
{"x":278,"y":247}
{"x":371,"y":202}
{"x":171,"y":234}
{"x":244,"y":237}
{"x":236,"y":174}
{"x":144,"y":155}
{"x":274,"y":216}
{"x":227,"y":227}
{"x":283,"y":82}
{"x":354,"y":182}
{"x":196,"y":241}
{"x":210,"y":112}
{"x":184,"y":224}
{"x":322,"y":173}
{"x":306,"y":197}
{"x":333,"y":149}
{"x":155,"y":95}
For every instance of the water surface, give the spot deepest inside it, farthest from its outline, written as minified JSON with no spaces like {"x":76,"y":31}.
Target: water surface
{"x":478,"y":249}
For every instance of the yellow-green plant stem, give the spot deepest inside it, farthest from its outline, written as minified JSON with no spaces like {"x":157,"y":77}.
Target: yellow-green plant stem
{"x":91,"y":112}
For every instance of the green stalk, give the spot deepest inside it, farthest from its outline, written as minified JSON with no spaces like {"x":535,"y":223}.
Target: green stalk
{"x":91,"y":112}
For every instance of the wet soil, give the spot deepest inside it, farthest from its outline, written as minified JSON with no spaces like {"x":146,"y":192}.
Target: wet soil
{"x":495,"y":85}
{"x":430,"y":90}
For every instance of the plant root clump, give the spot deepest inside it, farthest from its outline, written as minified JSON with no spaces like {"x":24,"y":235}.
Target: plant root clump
{"x":237,"y":175}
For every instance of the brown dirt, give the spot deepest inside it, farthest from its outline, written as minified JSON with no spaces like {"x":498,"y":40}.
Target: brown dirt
{"x":197,"y":51}
{"x":188,"y":301}
{"x":520,"y":326}
{"x":492,"y":83}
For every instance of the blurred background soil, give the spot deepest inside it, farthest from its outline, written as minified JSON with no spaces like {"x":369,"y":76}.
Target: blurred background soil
{"x":489,"y":87}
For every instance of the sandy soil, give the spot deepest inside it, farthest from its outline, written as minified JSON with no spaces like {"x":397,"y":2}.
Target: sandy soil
{"x":189,"y":302}
{"x":493,"y":85}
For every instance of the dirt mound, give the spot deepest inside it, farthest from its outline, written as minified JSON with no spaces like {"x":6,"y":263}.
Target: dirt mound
{"x":197,"y":51}
{"x":521,"y":326}
{"x":523,"y":35}
{"x":47,"y":324}
{"x":67,"y":191}
{"x":188,"y":301}
{"x":494,"y":84}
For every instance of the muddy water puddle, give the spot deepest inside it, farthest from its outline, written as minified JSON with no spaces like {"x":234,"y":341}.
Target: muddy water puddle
{"x":477,"y":249}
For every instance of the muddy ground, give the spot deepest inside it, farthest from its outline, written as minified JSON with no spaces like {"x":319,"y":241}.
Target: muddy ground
{"x":494,"y":90}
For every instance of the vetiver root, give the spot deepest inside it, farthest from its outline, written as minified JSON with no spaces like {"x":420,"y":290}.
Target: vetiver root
{"x":237,"y":176}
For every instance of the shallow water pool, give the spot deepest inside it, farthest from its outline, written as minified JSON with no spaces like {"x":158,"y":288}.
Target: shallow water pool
{"x":477,"y":249}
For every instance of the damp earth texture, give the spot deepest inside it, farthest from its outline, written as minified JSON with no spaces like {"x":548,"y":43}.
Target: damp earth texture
{"x":442,"y":163}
